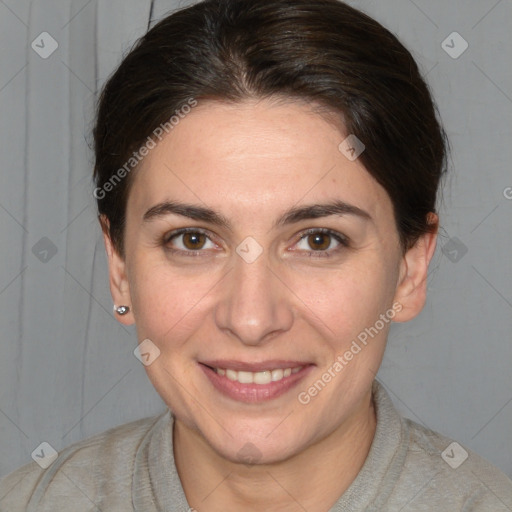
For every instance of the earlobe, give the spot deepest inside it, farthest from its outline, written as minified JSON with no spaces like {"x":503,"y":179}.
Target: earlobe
{"x":411,"y":291}
{"x":119,"y":285}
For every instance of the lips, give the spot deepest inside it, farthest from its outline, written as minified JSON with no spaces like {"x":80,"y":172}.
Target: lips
{"x":254,"y":382}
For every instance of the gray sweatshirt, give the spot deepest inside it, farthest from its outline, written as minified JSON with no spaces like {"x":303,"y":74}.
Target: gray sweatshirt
{"x":131,"y":467}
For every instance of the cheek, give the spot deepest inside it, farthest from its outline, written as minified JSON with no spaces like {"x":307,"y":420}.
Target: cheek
{"x":163,"y":299}
{"x":173,"y":305}
{"x":349,"y":299}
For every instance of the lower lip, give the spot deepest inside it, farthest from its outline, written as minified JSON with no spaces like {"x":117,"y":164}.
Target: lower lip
{"x":254,"y":393}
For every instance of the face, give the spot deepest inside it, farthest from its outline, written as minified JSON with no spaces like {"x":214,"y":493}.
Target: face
{"x":257,"y":256}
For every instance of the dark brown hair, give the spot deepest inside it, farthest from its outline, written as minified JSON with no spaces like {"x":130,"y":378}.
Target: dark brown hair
{"x":320,"y":51}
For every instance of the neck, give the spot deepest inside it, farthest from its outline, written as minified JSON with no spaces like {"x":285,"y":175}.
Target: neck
{"x":216,"y":484}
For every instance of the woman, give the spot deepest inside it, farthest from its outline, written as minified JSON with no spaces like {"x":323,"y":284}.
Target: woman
{"x":266,"y":176}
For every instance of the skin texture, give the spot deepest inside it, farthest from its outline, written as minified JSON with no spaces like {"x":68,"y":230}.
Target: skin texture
{"x":251,"y":162}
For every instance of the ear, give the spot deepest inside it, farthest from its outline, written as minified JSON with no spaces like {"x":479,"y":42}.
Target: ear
{"x":411,"y":290}
{"x":119,"y":286}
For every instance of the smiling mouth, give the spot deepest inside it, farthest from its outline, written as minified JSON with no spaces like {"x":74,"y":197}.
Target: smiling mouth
{"x":256,"y":382}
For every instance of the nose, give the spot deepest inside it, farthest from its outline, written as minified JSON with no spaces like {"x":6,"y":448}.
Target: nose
{"x":254,"y":305}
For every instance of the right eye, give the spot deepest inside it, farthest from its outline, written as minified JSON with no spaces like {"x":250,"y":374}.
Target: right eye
{"x":188,"y":241}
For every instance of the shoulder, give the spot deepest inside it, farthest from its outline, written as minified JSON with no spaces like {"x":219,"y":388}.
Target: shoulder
{"x":84,"y":473}
{"x":439,"y":470}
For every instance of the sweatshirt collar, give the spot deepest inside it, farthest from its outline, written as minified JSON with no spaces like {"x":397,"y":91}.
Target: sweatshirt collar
{"x":156,"y":483}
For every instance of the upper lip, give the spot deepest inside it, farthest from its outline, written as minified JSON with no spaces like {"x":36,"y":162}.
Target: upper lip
{"x":274,"y":364}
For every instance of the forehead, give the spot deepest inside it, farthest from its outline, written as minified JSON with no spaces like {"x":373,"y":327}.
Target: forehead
{"x":260,"y":154}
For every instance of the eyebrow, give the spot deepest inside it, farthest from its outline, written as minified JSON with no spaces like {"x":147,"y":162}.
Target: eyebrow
{"x":291,"y":216}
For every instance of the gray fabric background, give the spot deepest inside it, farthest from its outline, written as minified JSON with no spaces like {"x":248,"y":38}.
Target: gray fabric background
{"x":67,"y":369}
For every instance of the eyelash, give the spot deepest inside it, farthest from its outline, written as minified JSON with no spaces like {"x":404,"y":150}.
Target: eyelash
{"x":341,"y":239}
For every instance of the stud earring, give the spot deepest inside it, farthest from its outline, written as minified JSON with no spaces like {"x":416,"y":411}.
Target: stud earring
{"x":121,"y":310}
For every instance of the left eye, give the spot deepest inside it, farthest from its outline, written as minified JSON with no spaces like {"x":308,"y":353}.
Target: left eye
{"x":320,"y":241}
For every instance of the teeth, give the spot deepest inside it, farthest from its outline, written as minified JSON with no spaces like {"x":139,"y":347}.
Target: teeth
{"x":231,"y":374}
{"x":264,"y":377}
{"x":277,"y":375}
{"x":245,"y":377}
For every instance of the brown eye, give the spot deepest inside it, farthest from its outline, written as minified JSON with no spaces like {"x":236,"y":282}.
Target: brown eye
{"x":188,"y":242}
{"x":194,"y":241}
{"x":319,"y":241}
